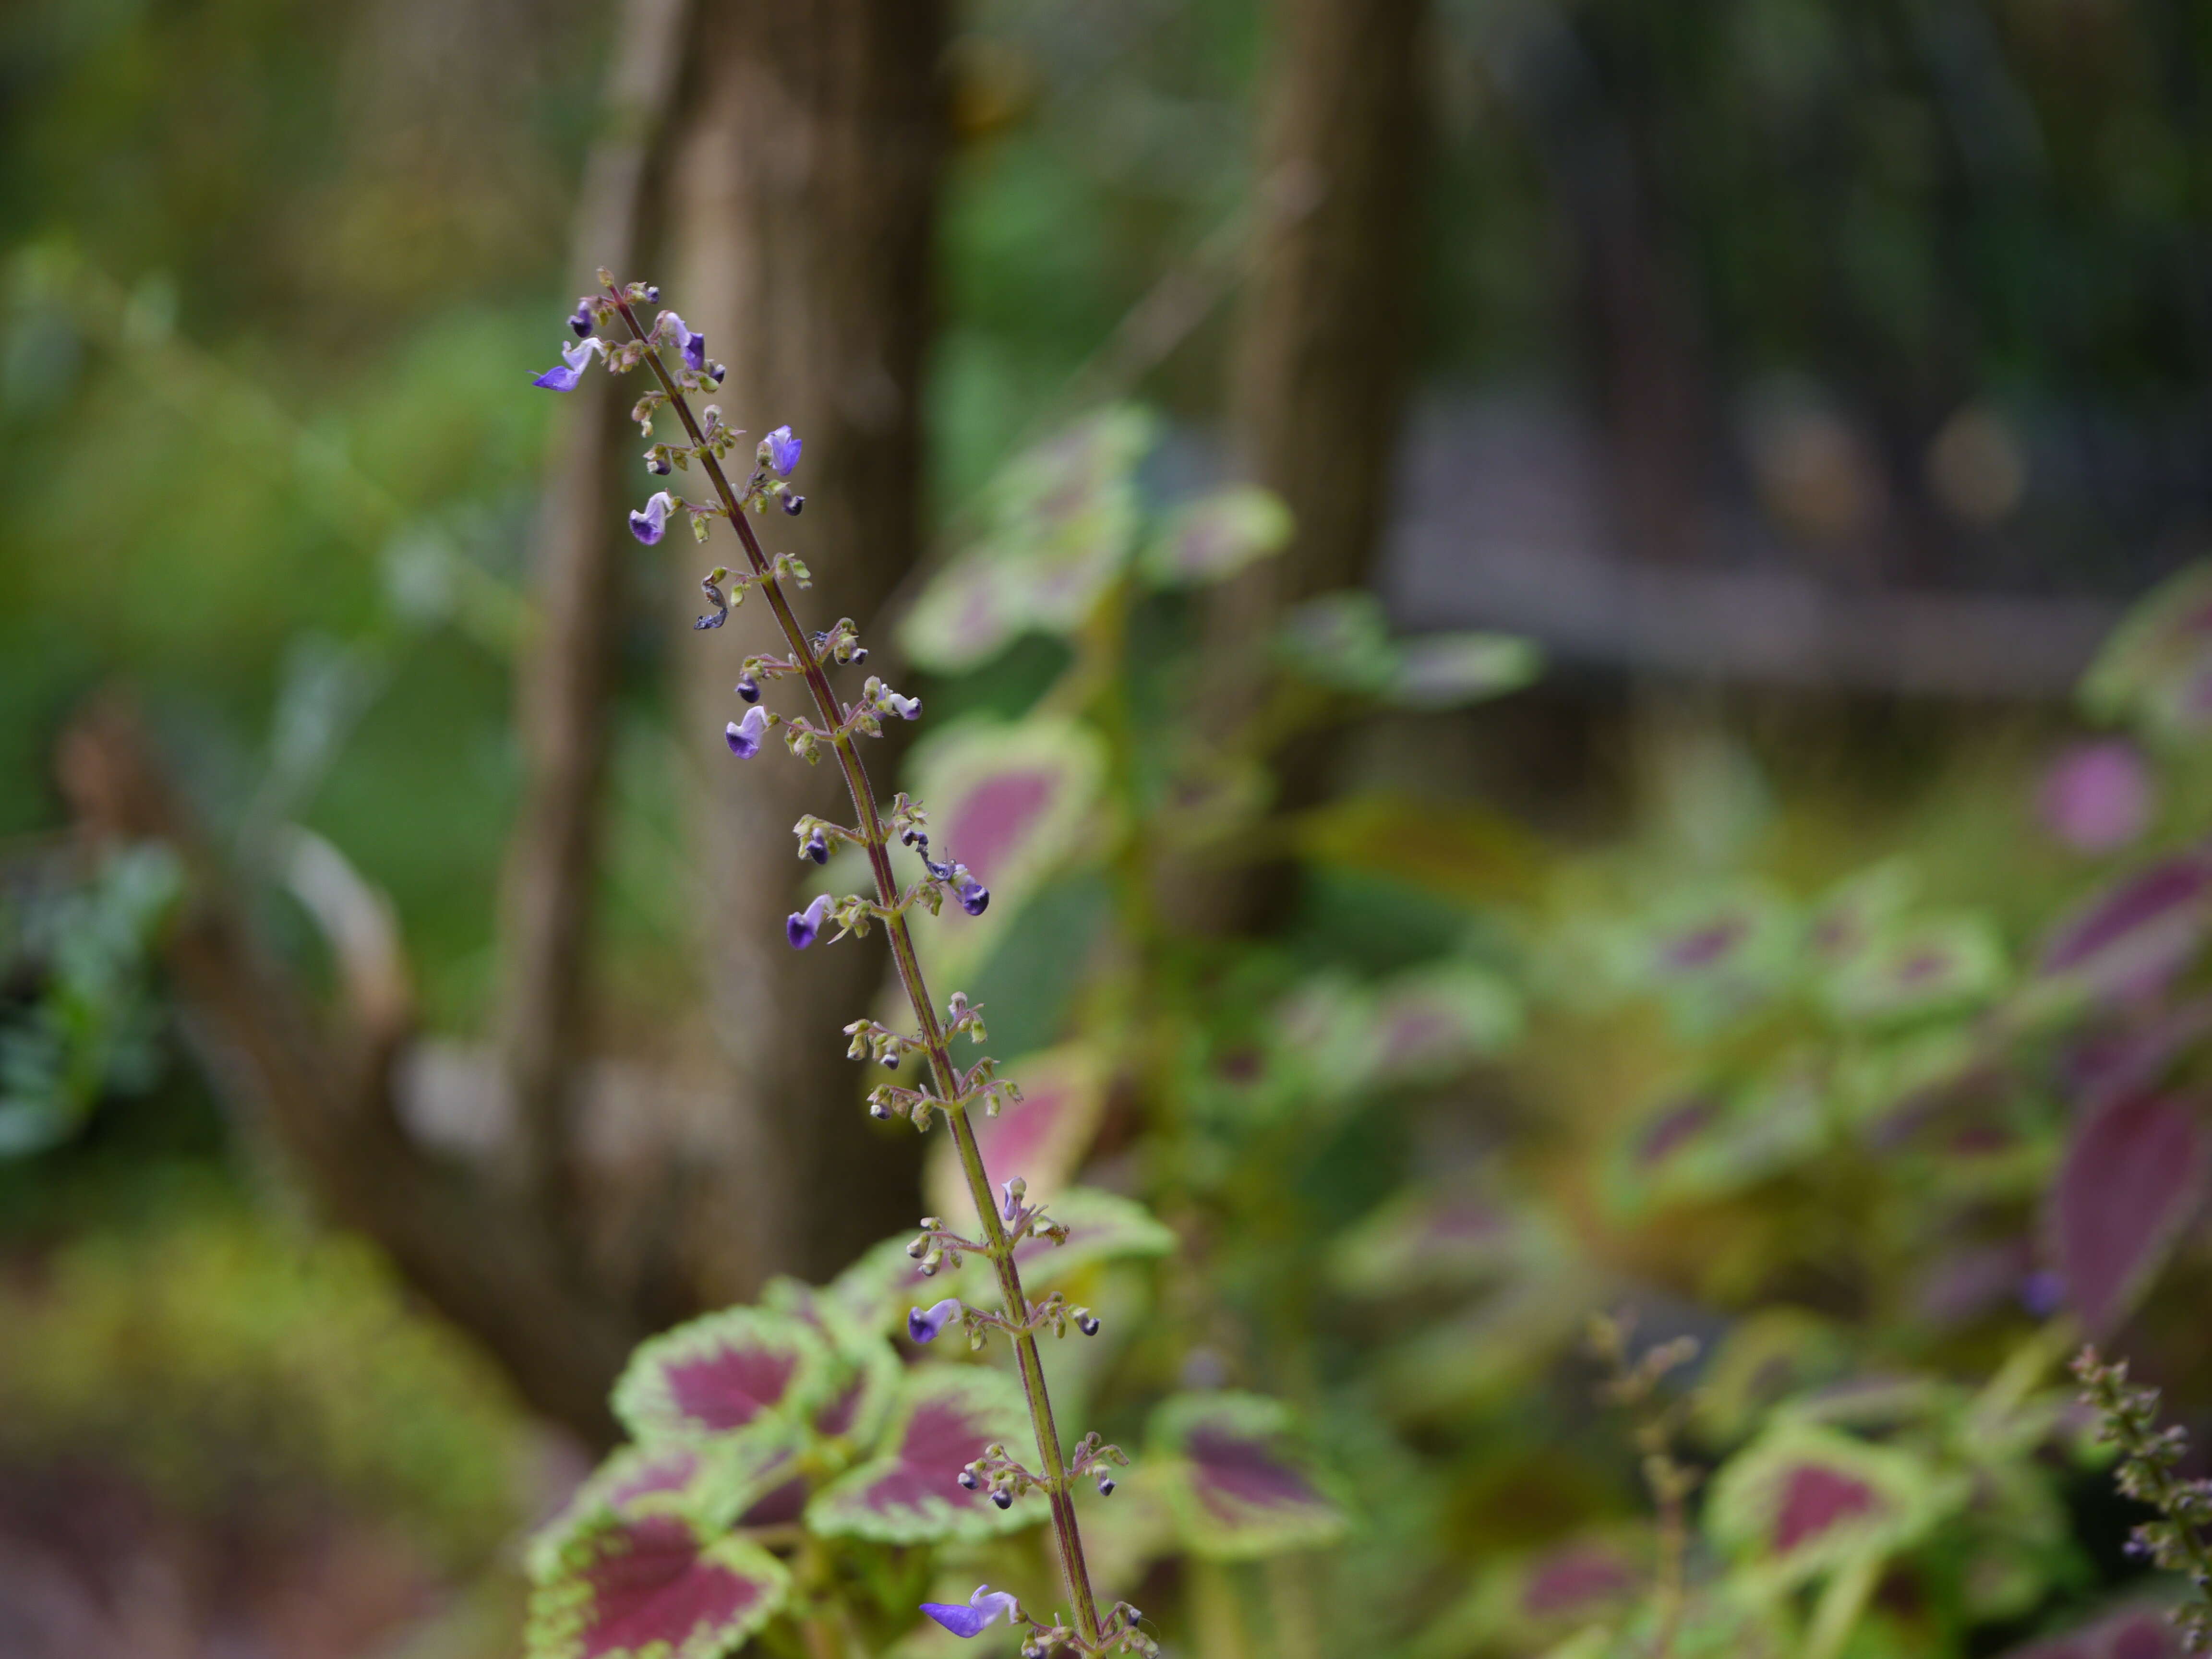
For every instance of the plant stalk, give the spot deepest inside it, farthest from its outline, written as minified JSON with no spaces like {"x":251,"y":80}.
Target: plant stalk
{"x":1066,"y":1534}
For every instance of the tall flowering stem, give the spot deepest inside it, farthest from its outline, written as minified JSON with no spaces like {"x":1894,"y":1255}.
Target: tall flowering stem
{"x":954,"y":1092}
{"x":2148,"y":1454}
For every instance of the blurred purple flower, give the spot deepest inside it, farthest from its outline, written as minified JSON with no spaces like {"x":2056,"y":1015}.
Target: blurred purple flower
{"x":2096,"y":797}
{"x":649,"y":526}
{"x":574,"y":360}
{"x":744,"y":735}
{"x":802,"y":927}
{"x":780,"y":450}
{"x":923,"y":1324}
{"x":983,"y":1607}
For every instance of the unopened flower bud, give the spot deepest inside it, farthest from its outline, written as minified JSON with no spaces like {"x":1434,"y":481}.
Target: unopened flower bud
{"x":657,"y":464}
{"x":817,"y":848}
{"x":968,"y":1479}
{"x":715,"y":372}
{"x":580,"y":318}
{"x":1087,"y":1323}
{"x":1105,"y":1485}
{"x":652,"y":294}
{"x":877,"y":1110}
{"x":1003,"y":1497}
{"x":748,"y":687}
{"x":795,"y":505}
{"x":889,"y":1057}
{"x":919,"y":1245}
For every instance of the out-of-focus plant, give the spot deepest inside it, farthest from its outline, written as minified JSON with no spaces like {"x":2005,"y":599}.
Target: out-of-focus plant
{"x":83,"y":1019}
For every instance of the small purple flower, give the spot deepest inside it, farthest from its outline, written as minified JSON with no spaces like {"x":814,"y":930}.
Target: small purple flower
{"x":974,"y":897}
{"x":580,"y":318}
{"x":923,"y":1324}
{"x":780,"y":451}
{"x":802,"y":927}
{"x":693,"y":346}
{"x":1013,"y":1201}
{"x":744,"y":735}
{"x":795,"y":505}
{"x":984,"y":1606}
{"x":650,"y":526}
{"x":817,"y":848}
{"x":748,"y":687}
{"x":574,"y":360}
{"x":906,"y":709}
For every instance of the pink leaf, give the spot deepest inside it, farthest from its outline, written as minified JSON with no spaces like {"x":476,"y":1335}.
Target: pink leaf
{"x":722,"y":1374}
{"x":649,"y":1586}
{"x":2131,"y":1179}
{"x":1814,"y":1500}
{"x":911,"y":1494}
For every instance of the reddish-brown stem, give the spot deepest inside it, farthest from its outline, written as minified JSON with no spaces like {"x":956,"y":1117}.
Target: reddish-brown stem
{"x":1066,"y":1534}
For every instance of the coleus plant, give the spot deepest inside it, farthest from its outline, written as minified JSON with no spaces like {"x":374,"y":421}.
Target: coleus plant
{"x":784,"y":1464}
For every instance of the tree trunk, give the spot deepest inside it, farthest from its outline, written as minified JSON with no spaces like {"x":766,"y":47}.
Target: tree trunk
{"x":1320,"y":356}
{"x":804,"y":186}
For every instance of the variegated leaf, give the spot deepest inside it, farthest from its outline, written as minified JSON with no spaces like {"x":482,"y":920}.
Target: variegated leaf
{"x":1435,"y":1021}
{"x":864,"y":1368}
{"x":945,"y":1416}
{"x":1042,"y":1137}
{"x":2156,"y":669}
{"x":651,"y":1587}
{"x":2134,"y":937}
{"x":1449,"y":671}
{"x":1425,"y":1241}
{"x":1241,"y":1484}
{"x":1802,"y":1501}
{"x":1102,"y":1226}
{"x":1931,"y":966}
{"x":2132,"y":1178}
{"x":736,"y":1370}
{"x":1216,"y":536}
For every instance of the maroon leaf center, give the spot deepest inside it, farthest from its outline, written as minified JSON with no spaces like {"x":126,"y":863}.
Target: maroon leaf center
{"x":1815,"y":1498}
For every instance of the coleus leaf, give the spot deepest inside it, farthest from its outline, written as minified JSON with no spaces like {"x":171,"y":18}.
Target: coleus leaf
{"x":1042,"y":1137}
{"x":864,"y":1367}
{"x":1423,"y":1240}
{"x":1241,"y":1484}
{"x":1448,"y":671}
{"x":2132,"y":1177}
{"x":714,"y":1484}
{"x":1704,"y":1143}
{"x":1217,"y":535}
{"x":1434,"y":1021}
{"x":1803,"y":1500}
{"x":1061,"y":519}
{"x":2156,"y":669}
{"x":2135,"y":936}
{"x":2135,"y":1632}
{"x":1524,"y":1604}
{"x":1011,"y":802}
{"x":942,"y":1419}
{"x":729,"y":1372}
{"x":652,"y":1587}
{"x":1102,"y":1226}
{"x":1928,"y":966}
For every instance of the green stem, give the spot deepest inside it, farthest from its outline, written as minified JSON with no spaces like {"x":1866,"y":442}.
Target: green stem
{"x":1066,"y":1534}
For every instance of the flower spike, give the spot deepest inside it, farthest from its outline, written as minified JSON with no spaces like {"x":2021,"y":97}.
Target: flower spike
{"x":574,"y":360}
{"x":981,"y":1608}
{"x":651,"y":524}
{"x":744,"y":735}
{"x":802,"y":927}
{"x":923,"y":1324}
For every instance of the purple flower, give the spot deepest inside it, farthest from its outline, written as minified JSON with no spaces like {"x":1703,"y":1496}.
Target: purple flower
{"x":906,"y":709}
{"x":780,"y":451}
{"x":801,"y":927}
{"x":817,"y":848}
{"x":744,"y":735}
{"x":748,"y":687}
{"x":923,"y":1324}
{"x":580,"y":318}
{"x":974,"y":897}
{"x":651,"y":524}
{"x":983,"y":1606}
{"x":693,"y":346}
{"x":574,"y":360}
